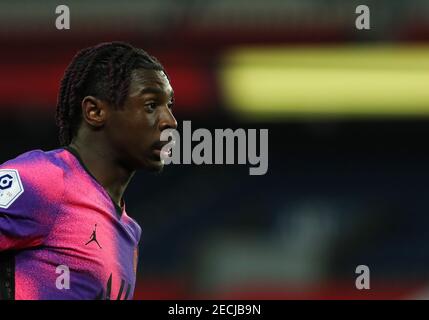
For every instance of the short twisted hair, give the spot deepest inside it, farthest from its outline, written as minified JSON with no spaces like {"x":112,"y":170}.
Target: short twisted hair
{"x":103,"y":71}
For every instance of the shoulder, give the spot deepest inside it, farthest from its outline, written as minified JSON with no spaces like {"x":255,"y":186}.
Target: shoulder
{"x":133,"y":226}
{"x":33,"y":175}
{"x":37,"y":166}
{"x":34,"y":158}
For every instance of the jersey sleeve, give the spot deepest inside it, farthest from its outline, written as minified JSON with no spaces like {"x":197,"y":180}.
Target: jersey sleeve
{"x":28,"y":202}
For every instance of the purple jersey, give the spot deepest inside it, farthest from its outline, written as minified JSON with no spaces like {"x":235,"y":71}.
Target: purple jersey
{"x":61,"y":235}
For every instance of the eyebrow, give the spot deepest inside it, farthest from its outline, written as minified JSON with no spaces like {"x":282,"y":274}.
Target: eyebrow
{"x":155,"y":91}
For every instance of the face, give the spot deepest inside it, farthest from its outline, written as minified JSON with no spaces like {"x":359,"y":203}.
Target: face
{"x":135,"y":128}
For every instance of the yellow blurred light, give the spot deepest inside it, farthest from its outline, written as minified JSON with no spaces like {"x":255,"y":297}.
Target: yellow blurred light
{"x":335,"y":81}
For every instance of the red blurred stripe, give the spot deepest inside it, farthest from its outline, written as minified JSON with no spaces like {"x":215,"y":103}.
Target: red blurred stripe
{"x":160,"y":289}
{"x":174,"y":289}
{"x":30,"y":85}
{"x":194,"y":88}
{"x":37,"y":85}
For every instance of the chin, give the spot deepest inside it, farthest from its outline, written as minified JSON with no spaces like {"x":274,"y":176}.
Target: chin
{"x":154,"y":166}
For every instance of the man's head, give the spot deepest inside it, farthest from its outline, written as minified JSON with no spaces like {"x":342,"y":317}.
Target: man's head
{"x":119,"y":96}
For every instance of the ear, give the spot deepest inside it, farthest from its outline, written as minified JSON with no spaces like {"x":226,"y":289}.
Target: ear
{"x":94,"y":111}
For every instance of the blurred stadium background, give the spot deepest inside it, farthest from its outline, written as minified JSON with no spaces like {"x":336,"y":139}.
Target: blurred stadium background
{"x":348,"y":114}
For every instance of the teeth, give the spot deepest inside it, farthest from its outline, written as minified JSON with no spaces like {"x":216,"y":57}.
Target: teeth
{"x":166,"y":154}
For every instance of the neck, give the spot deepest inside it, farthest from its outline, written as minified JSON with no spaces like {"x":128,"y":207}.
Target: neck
{"x":105,"y":167}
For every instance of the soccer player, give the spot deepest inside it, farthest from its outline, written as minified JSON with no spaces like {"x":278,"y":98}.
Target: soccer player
{"x":64,"y":231}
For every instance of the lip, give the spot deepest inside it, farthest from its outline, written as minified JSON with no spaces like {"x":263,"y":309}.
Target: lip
{"x":158,"y":152}
{"x":160,"y":144}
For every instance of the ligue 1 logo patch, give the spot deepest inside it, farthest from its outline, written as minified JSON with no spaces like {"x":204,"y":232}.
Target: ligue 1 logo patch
{"x":10,"y":187}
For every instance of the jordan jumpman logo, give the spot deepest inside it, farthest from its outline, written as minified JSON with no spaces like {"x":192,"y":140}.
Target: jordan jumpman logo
{"x":94,"y":237}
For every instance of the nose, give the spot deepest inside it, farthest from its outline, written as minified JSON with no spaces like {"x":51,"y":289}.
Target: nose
{"x":167,"y":120}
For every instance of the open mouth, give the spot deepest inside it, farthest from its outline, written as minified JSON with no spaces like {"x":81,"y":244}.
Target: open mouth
{"x":162,"y":153}
{"x":161,"y":150}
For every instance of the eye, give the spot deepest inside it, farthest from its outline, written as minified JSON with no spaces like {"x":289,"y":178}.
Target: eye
{"x":151,"y":106}
{"x":170,"y":105}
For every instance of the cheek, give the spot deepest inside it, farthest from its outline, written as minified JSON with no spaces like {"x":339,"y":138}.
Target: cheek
{"x":150,"y":119}
{"x":134,"y":127}
{"x":140,"y":120}
{"x":143,"y":127}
